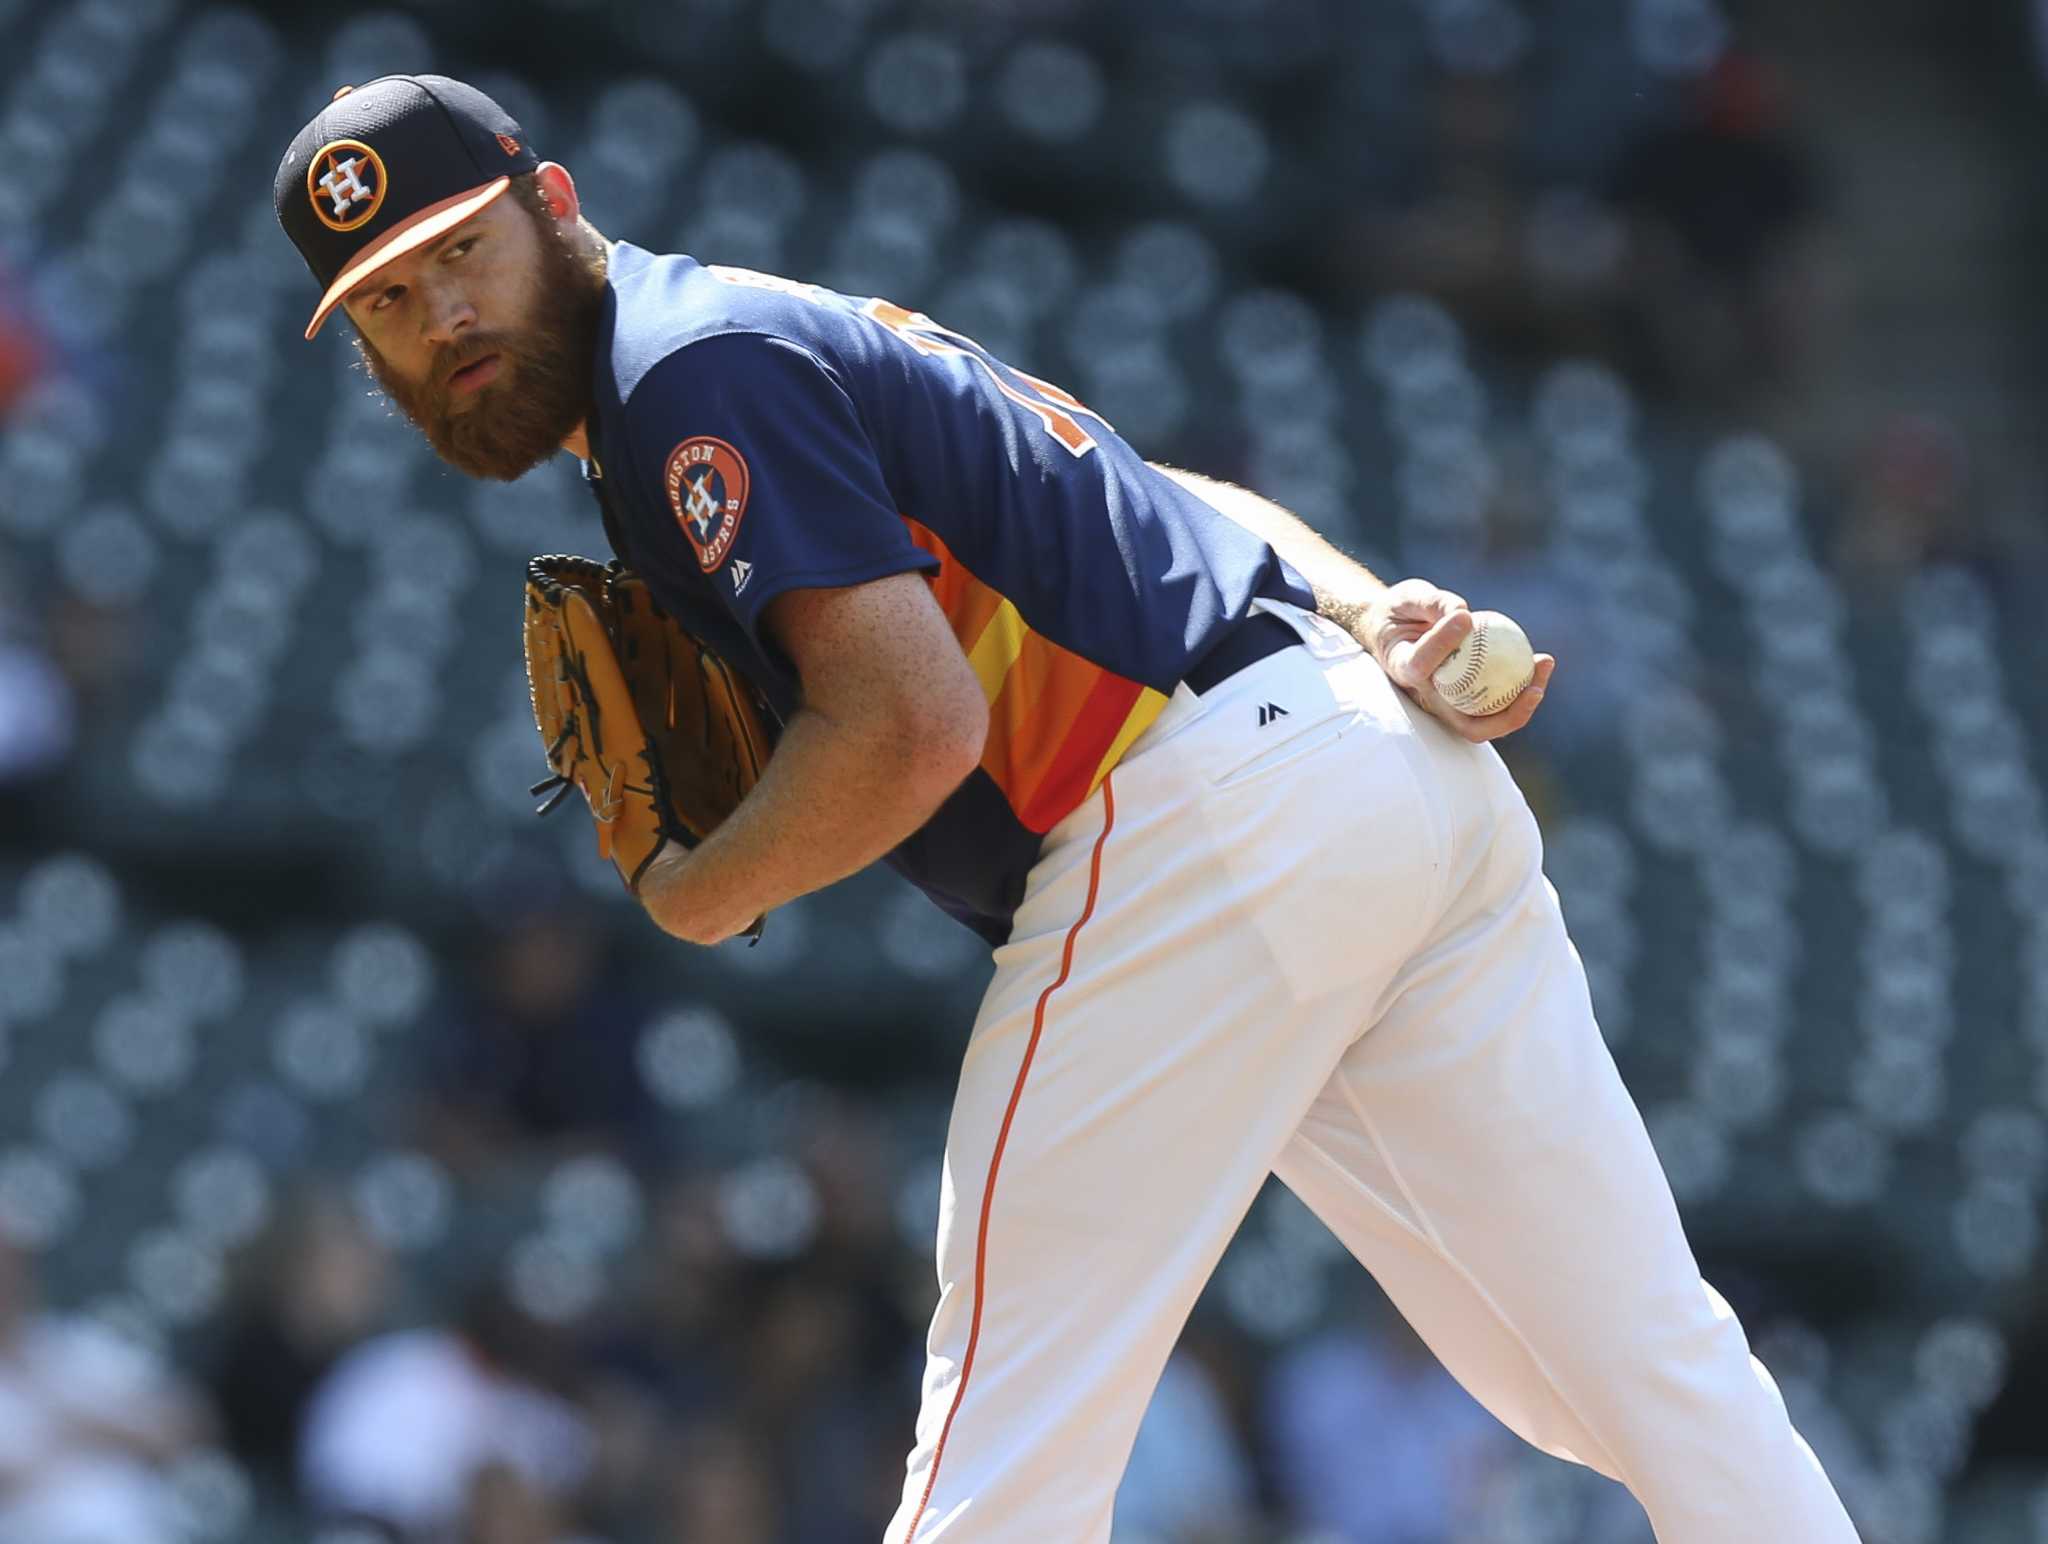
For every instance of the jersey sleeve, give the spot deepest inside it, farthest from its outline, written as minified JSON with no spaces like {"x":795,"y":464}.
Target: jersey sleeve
{"x":756,"y":452}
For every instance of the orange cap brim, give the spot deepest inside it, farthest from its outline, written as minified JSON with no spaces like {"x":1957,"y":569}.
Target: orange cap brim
{"x":423,"y":227}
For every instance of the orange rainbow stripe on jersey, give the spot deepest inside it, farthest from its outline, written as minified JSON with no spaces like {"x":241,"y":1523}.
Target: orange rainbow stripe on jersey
{"x":1057,"y":722}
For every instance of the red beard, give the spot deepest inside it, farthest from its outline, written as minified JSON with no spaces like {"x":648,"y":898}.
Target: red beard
{"x":542,"y":390}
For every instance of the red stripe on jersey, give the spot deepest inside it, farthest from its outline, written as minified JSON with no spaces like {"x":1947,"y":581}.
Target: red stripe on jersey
{"x":1062,"y":780}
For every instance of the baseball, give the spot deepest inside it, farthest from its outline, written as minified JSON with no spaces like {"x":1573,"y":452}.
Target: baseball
{"x":1489,"y":669}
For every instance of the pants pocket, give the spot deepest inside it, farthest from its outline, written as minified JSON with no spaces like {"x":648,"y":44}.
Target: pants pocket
{"x":1277,"y":749}
{"x":1331,"y":854}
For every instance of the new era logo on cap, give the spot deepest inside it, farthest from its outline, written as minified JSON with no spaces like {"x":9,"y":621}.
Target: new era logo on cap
{"x":388,"y":166}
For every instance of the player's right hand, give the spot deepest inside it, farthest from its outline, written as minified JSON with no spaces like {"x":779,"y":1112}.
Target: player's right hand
{"x":1413,"y":627}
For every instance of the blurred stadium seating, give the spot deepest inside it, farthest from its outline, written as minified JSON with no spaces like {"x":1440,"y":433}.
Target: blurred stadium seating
{"x":248,"y":893}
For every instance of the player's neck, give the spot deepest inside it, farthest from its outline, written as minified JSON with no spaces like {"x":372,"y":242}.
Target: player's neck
{"x":577,"y":443}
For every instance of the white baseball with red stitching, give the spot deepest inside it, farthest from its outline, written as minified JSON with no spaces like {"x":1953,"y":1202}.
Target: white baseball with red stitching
{"x":1489,"y":669}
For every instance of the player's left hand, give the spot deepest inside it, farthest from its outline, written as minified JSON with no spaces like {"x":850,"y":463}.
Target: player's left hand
{"x":1412,"y":628}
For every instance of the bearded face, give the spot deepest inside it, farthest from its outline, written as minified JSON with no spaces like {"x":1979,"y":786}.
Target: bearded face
{"x":514,"y":412}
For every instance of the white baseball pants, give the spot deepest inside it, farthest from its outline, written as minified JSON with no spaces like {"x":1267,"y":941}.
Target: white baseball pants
{"x":1321,"y":947}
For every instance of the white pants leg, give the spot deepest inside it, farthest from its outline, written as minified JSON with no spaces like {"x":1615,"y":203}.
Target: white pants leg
{"x":1200,"y":950}
{"x":1479,"y":1154}
{"x":1198,"y":945}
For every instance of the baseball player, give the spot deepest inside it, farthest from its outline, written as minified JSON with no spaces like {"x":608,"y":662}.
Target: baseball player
{"x":1260,"y":901}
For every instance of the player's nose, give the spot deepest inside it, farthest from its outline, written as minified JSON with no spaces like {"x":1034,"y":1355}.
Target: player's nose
{"x":449,"y":316}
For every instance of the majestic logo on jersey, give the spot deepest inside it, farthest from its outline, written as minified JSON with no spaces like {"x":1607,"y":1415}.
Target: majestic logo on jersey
{"x":346,"y":184}
{"x":742,"y":571}
{"x":707,"y":488}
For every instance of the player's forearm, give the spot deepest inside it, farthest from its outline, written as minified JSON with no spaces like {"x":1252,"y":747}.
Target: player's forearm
{"x":1344,"y":587}
{"x":833,"y":798}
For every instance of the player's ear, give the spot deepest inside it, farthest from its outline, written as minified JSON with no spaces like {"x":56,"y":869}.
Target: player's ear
{"x":558,"y":191}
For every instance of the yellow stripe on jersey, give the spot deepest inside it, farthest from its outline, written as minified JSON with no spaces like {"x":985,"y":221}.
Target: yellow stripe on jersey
{"x":996,"y":650}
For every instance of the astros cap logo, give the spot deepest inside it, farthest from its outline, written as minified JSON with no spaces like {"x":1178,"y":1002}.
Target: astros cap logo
{"x":346,"y":184}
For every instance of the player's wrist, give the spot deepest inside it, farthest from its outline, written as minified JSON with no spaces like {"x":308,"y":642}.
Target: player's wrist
{"x":690,"y":899}
{"x":659,"y":890}
{"x":1351,"y":610}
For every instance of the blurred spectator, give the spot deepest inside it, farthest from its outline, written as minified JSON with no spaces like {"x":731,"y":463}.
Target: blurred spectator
{"x":663,"y":1357}
{"x":1458,"y":237}
{"x":805,"y":1367}
{"x":37,"y":714}
{"x":505,"y":1506}
{"x":317,"y":1285}
{"x":835,"y":1370}
{"x":399,"y":1430}
{"x":87,"y":1417}
{"x":1916,"y":500}
{"x":23,"y":353}
{"x":629,"y":1454}
{"x":719,"y":1488}
{"x":543,"y":1050}
{"x":1374,"y":1443}
{"x":1726,"y":287}
{"x":671,"y":1339}
{"x":1189,"y":1479}
{"x":822,"y":1344}
{"x":1530,"y":271}
{"x":845,"y":1151}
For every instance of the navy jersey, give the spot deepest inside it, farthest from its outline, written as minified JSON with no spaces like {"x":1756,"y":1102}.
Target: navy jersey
{"x":753,"y":435}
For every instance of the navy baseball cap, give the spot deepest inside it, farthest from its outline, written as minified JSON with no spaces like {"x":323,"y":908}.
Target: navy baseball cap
{"x":388,"y":166}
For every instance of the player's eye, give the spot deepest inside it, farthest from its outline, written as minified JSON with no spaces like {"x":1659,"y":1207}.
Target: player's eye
{"x":388,"y":296}
{"x":459,"y":248}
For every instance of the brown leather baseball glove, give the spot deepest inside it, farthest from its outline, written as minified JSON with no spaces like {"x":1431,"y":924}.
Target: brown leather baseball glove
{"x":661,"y":736}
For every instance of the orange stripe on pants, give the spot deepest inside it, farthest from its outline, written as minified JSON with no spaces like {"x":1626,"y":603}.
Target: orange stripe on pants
{"x":995,"y":1161}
